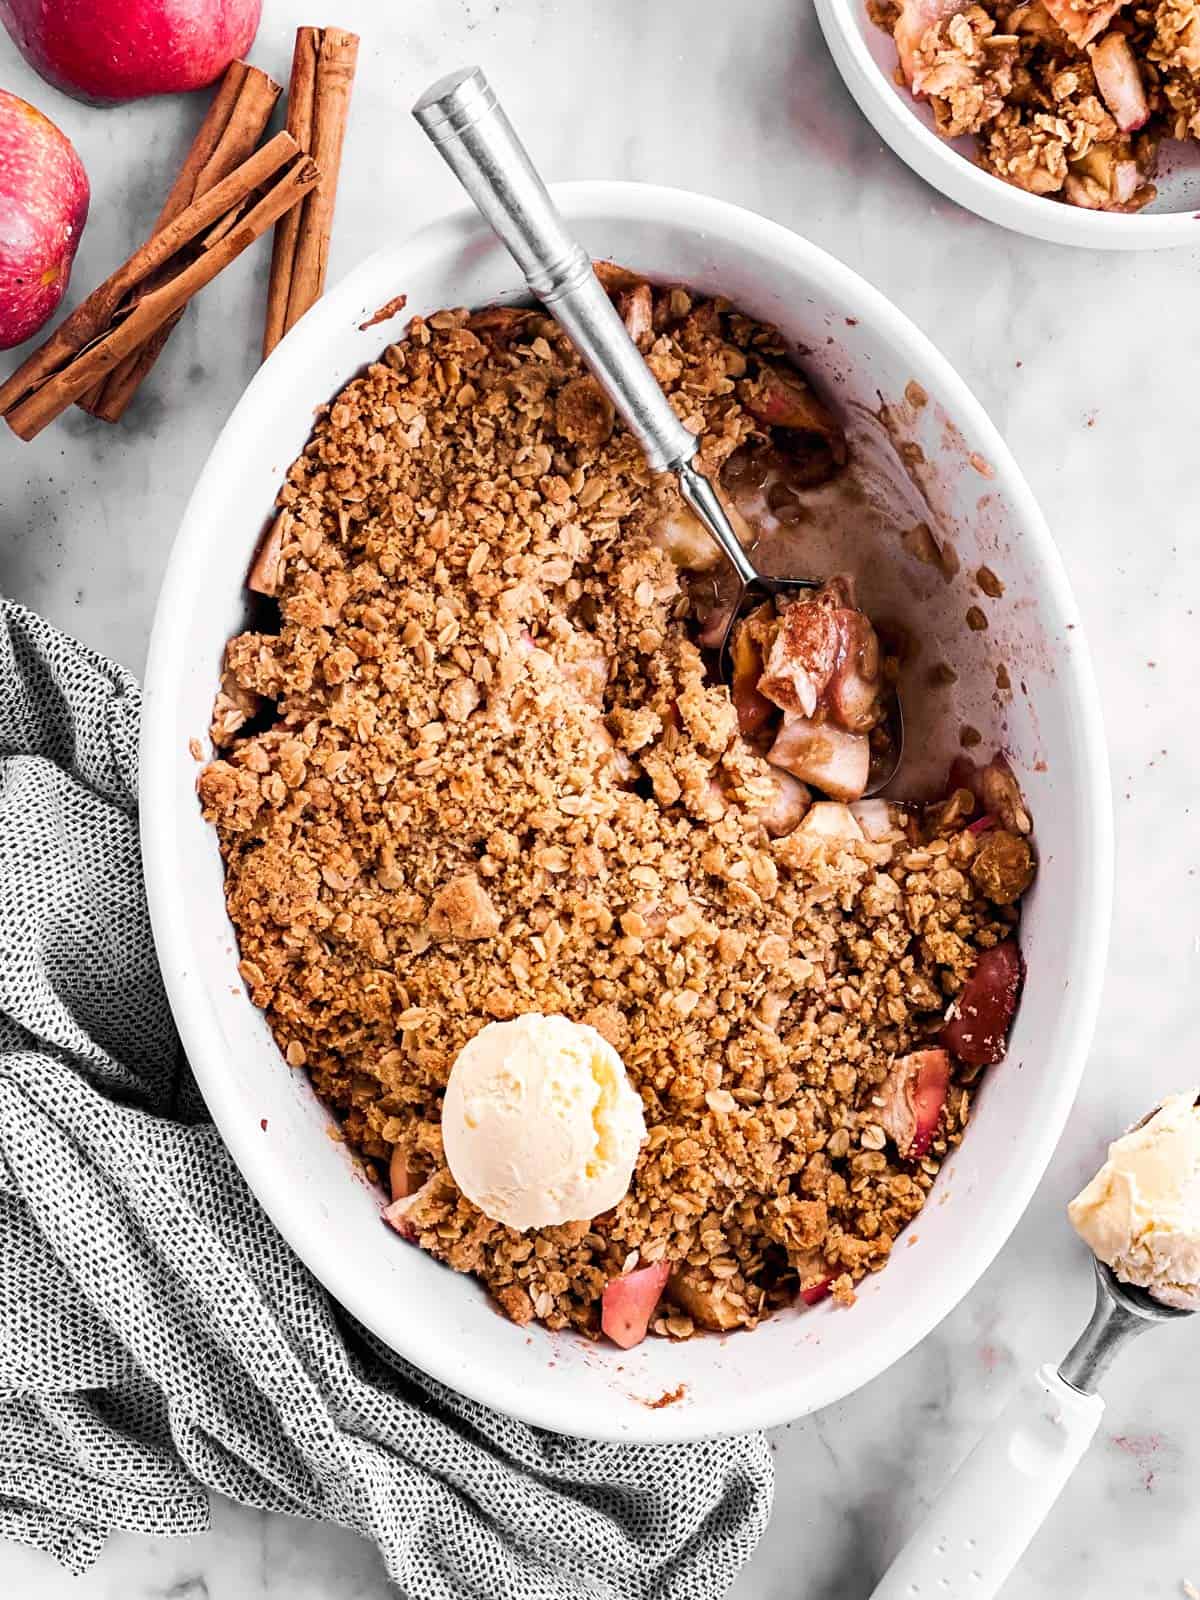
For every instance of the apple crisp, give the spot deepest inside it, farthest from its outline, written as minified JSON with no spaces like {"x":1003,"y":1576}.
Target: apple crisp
{"x":1067,"y":98}
{"x":475,"y":764}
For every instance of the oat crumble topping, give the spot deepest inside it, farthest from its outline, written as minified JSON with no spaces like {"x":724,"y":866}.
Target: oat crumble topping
{"x":477,"y":767}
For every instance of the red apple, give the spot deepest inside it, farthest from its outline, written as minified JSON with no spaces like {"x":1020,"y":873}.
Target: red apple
{"x":43,"y":206}
{"x":103,"y":50}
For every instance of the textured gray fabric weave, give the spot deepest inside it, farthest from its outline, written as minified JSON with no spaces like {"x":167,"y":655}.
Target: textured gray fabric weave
{"x":157,"y":1335}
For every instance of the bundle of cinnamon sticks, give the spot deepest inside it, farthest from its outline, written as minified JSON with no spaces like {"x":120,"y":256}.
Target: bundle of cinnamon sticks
{"x":229,"y":191}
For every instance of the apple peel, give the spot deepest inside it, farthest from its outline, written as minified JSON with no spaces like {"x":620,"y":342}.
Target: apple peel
{"x":629,"y":1302}
{"x":914,"y":1093}
{"x":977,"y":1033}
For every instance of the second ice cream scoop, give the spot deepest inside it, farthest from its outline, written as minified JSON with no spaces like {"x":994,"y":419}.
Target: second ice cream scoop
{"x":984,"y":1519}
{"x":1141,"y":1212}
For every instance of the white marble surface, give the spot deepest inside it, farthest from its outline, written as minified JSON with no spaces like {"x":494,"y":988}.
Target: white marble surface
{"x":1086,"y":362}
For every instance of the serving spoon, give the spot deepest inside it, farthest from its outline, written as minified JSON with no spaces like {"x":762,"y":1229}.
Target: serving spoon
{"x":985,"y":1517}
{"x":468,"y":126}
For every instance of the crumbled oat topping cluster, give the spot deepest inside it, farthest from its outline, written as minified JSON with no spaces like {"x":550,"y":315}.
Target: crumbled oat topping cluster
{"x":477,"y":768}
{"x":1068,"y":98}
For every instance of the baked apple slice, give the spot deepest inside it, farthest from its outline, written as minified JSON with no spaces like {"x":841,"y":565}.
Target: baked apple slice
{"x":977,"y":1033}
{"x":780,"y":398}
{"x":914,"y":1093}
{"x":823,"y":755}
{"x":753,"y":708}
{"x":401,"y":1179}
{"x":705,"y":1308}
{"x":1083,"y":20}
{"x":1120,"y":83}
{"x":785,"y":810}
{"x":629,"y":1302}
{"x":397,"y":1215}
{"x":803,"y":655}
{"x":816,"y":1276}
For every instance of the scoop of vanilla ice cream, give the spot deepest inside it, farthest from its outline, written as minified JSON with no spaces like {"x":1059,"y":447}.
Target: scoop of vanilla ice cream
{"x":540,"y":1125}
{"x":1141,"y":1212}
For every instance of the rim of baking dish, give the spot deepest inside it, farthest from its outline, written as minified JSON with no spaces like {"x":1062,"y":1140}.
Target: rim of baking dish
{"x":897,"y":123}
{"x":497,"y":1386}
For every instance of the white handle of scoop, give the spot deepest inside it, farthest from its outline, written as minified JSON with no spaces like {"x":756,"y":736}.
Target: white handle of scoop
{"x":987,"y":1514}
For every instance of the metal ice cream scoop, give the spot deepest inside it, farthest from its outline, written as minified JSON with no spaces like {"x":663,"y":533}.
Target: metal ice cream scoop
{"x":983,"y":1520}
{"x":467,"y":124}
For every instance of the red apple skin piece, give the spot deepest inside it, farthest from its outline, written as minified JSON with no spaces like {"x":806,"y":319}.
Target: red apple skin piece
{"x":914,"y":1093}
{"x":915,"y":19}
{"x":396,"y":1215}
{"x":105,"y":51}
{"x":977,"y":1034}
{"x":628,"y":1303}
{"x":44,"y":197}
{"x":812,"y":1265}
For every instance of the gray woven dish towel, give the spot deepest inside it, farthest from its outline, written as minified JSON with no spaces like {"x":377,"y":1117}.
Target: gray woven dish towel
{"x":157,"y":1336}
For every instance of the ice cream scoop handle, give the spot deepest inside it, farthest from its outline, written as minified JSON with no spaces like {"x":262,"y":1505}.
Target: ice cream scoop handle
{"x":466,"y":122}
{"x":1000,"y":1496}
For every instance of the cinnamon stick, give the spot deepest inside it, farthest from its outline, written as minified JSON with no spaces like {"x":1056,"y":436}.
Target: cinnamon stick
{"x":88,"y":347}
{"x":300,"y":106}
{"x":323,"y":64}
{"x":229,"y":133}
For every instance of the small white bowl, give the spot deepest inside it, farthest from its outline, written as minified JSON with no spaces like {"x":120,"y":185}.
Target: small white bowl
{"x":866,"y":58}
{"x":859,"y":347}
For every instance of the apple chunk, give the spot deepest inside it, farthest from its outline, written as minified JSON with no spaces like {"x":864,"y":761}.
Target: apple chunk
{"x":754,"y":710}
{"x":781,"y":398}
{"x":824,"y":755}
{"x":1120,"y":82}
{"x":914,"y":1093}
{"x":977,"y":1034}
{"x":628,"y":1303}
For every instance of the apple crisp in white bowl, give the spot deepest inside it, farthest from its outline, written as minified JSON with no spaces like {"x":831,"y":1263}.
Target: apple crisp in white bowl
{"x":942,"y":533}
{"x":985,"y":78}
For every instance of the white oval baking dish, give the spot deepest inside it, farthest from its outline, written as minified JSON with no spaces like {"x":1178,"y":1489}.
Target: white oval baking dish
{"x":860,"y":348}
